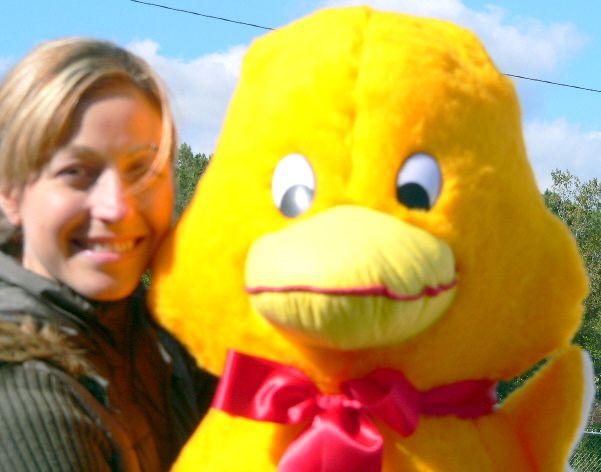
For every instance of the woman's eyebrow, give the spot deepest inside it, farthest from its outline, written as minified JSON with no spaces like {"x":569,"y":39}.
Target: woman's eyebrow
{"x":143,"y":147}
{"x":77,"y":150}
{"x":83,"y":149}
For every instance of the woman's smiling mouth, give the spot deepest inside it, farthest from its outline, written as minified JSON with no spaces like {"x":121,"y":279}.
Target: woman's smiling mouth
{"x":108,"y":246}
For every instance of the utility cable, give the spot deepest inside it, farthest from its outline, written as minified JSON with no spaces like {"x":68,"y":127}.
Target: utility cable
{"x":553,"y":83}
{"x":270,"y":29}
{"x":202,"y":14}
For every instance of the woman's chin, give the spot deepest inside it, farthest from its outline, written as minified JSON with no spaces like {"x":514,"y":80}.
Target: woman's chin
{"x":104,"y":288}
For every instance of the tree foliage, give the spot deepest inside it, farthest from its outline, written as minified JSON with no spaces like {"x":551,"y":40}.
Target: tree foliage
{"x":578,"y":204}
{"x":189,"y":167}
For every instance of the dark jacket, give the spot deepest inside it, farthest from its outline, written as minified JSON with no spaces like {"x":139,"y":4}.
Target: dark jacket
{"x":80,"y":395}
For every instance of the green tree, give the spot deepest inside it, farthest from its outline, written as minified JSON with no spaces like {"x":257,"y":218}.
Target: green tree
{"x":578,"y":204}
{"x":189,"y":167}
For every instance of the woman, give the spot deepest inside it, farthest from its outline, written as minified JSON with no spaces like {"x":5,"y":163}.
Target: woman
{"x":87,"y":381}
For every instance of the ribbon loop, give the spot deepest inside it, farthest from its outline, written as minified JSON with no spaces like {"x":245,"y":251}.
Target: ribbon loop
{"x":265,"y":391}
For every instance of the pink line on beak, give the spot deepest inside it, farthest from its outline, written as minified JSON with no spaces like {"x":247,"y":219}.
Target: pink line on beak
{"x":375,"y":291}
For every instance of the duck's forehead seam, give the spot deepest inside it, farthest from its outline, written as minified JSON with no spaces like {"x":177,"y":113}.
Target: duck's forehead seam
{"x":419,"y":82}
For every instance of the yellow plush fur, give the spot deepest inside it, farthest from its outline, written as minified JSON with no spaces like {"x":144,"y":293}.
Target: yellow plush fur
{"x":357,"y":92}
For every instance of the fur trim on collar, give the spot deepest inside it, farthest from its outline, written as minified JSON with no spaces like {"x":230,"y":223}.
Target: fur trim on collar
{"x":28,"y":340}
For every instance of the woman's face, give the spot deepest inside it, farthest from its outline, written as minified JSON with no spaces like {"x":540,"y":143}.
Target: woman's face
{"x":85,"y":223}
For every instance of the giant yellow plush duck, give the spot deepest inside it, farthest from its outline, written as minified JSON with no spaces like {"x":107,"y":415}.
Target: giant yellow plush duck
{"x":368,"y":255}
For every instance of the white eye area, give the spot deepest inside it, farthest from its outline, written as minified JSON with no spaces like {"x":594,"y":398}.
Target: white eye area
{"x":419,"y":182}
{"x":293,"y":185}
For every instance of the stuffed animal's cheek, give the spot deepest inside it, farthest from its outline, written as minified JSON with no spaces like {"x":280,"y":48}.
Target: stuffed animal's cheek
{"x":351,"y":278}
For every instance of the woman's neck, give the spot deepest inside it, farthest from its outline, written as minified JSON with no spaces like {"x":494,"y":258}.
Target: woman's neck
{"x":117,"y":318}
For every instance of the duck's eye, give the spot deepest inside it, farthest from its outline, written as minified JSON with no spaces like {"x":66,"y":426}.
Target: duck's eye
{"x":419,"y":181}
{"x":293,"y":185}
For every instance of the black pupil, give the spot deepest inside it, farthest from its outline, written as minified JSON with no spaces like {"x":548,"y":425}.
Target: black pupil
{"x":413,"y":195}
{"x":296,"y":200}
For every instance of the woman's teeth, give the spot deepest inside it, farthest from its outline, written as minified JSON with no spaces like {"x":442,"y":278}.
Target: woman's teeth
{"x":118,"y":247}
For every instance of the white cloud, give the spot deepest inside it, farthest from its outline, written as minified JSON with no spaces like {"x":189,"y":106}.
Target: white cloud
{"x":518,"y":45}
{"x":200,"y":90}
{"x":5,"y":64}
{"x":527,"y":47}
{"x":559,"y":144}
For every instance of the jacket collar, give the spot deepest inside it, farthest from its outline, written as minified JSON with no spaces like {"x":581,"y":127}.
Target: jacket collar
{"x":47,"y":301}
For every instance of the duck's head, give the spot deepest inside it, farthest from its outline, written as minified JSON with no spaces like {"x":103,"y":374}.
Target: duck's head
{"x":370,"y":205}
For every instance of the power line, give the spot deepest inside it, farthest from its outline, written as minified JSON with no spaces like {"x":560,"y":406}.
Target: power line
{"x":270,"y":29}
{"x":203,"y":15}
{"x":554,"y":83}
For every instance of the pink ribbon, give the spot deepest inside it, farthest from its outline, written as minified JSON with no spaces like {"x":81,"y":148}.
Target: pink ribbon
{"x":341,"y":435}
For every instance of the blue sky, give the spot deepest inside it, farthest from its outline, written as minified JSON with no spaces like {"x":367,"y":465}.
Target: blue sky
{"x":199,"y":58}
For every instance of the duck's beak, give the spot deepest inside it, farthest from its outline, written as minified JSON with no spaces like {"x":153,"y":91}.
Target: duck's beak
{"x":351,"y":278}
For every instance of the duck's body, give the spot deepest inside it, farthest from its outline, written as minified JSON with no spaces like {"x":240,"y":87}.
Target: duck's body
{"x":370,"y":206}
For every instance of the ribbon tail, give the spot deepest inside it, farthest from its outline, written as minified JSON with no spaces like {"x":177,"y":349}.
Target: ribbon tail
{"x":336,"y":441}
{"x":466,"y":399}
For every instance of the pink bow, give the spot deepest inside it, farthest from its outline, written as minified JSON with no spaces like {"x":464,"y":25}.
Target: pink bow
{"x":341,"y":435}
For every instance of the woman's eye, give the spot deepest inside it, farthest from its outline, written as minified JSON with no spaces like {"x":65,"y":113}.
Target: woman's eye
{"x":78,"y":175}
{"x":136,"y":171}
{"x":293,"y":185}
{"x":141,"y":168}
{"x":73,"y":171}
{"x":419,"y":182}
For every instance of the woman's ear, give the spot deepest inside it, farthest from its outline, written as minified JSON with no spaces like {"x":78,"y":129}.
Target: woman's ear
{"x":10,"y":203}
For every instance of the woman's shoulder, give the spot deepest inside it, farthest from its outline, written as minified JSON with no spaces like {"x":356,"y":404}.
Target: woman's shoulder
{"x":48,"y":422}
{"x":42,"y":389}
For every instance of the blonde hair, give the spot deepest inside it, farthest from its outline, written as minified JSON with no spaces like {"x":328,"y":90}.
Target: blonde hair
{"x":39,"y":97}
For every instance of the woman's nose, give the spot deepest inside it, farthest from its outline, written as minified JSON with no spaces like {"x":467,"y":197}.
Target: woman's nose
{"x":110,"y":198}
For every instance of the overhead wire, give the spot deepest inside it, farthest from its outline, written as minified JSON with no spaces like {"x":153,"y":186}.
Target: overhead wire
{"x":229,"y":20}
{"x":203,"y":15}
{"x":553,"y":83}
